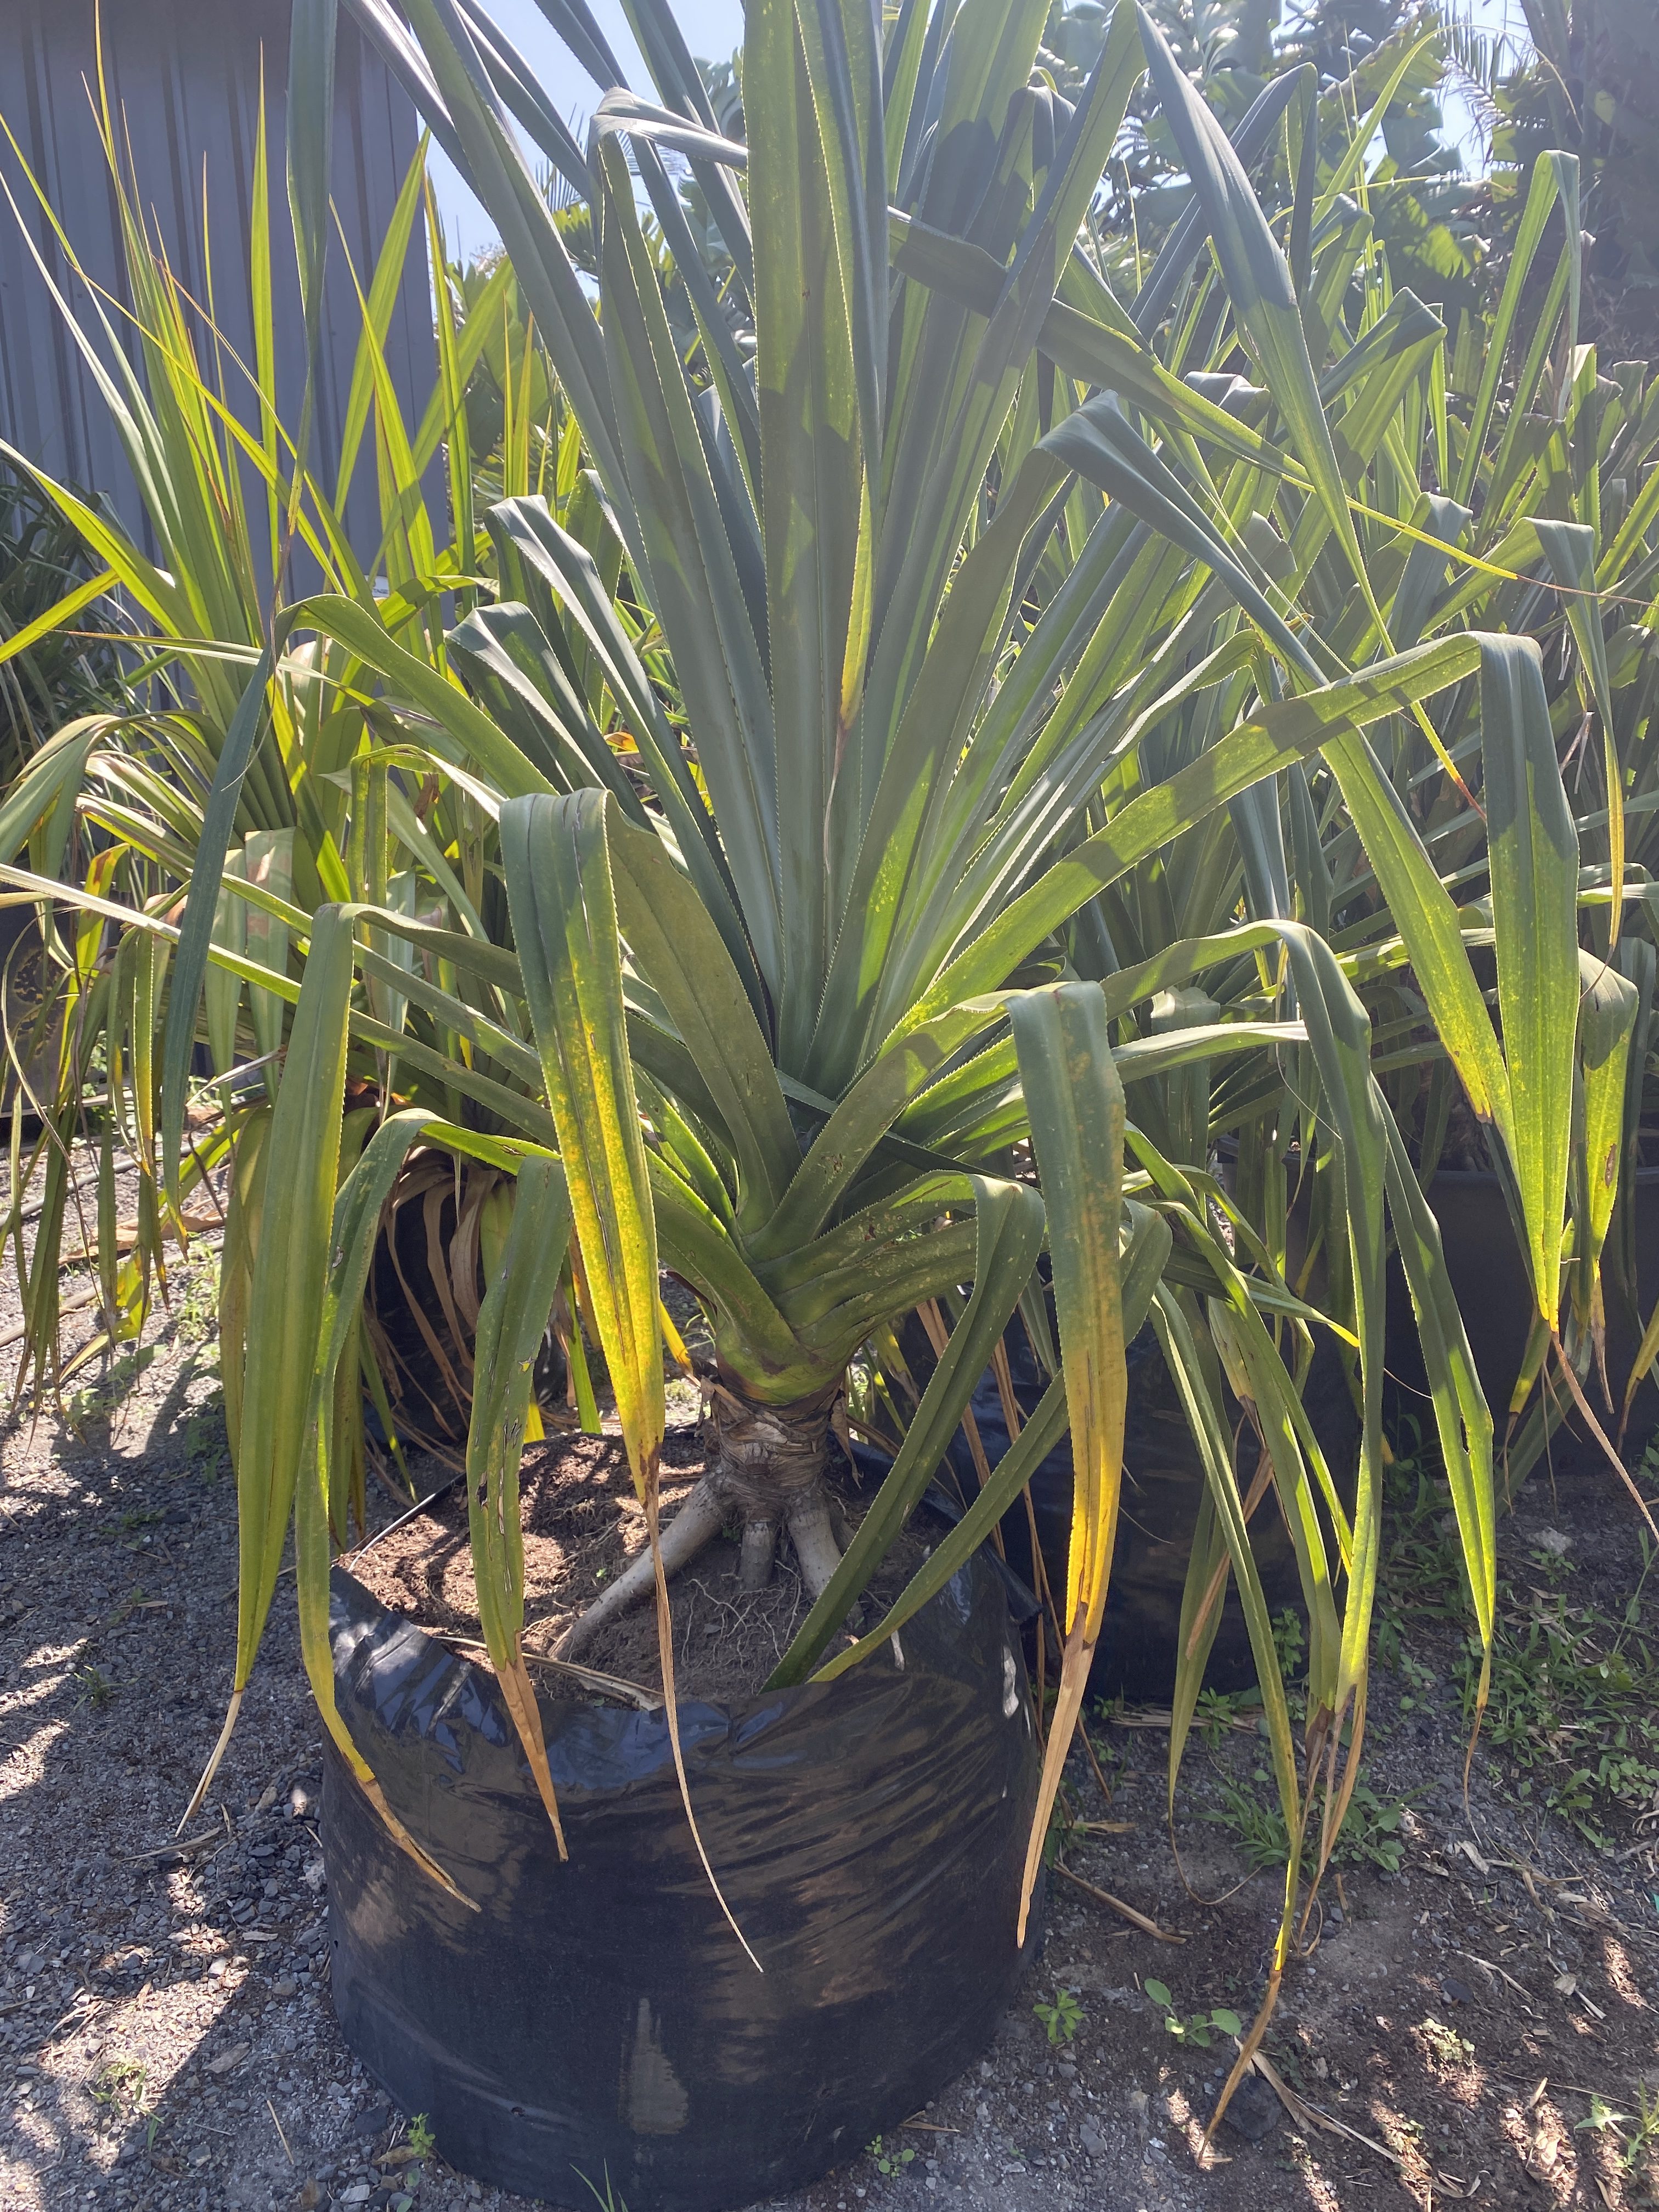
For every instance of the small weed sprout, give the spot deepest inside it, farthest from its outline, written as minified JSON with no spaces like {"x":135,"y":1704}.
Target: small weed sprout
{"x":205,"y":1446}
{"x":121,"y":2081}
{"x":422,"y":2141}
{"x":1061,"y":2019}
{"x":1646,"y":2118}
{"x":1604,"y":2120}
{"x":889,"y":2159}
{"x":1289,"y":1642}
{"x":199,"y":1310}
{"x":610,"y":2201}
{"x":96,"y":1688}
{"x":1198,"y":2029}
{"x":1445,"y":2043}
{"x":1065,"y":1830}
{"x":1372,"y":1835}
{"x":1217,"y":1710}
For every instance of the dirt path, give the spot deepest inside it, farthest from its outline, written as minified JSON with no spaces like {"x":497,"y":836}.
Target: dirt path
{"x":165,"y":2035}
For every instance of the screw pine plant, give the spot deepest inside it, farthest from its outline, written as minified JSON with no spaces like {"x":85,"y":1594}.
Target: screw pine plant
{"x":817,"y":946}
{"x":910,"y":776}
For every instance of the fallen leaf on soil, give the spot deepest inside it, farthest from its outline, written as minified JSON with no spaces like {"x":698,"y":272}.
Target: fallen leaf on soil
{"x":179,"y":1850}
{"x":1151,"y":1716}
{"x":1307,"y":2115}
{"x":227,"y":2059}
{"x":1487,"y":1967}
{"x":1138,"y":1919}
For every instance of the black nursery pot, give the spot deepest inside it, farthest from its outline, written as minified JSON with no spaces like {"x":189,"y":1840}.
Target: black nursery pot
{"x":1163,"y":1483}
{"x":21,"y":963}
{"x":599,"y":2018}
{"x":1489,"y":1282}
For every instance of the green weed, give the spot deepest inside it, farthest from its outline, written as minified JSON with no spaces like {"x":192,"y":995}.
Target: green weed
{"x":120,"y":2081}
{"x":1574,"y":1702}
{"x":205,"y":1450}
{"x":1445,"y":2043}
{"x":1373,"y":1834}
{"x":1065,"y":1829}
{"x":97,"y":1403}
{"x":1197,"y":2028}
{"x":1646,"y":2120}
{"x":610,"y":2201}
{"x":1218,"y":1709}
{"x":1291,"y":1643}
{"x":889,"y":2160}
{"x":96,"y":1688}
{"x":1061,"y":2019}
{"x":1575,"y":1705}
{"x":198,"y":1310}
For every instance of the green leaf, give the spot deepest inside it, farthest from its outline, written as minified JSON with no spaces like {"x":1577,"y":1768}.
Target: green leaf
{"x":512,"y":1322}
{"x":1075,"y":1104}
{"x":310,"y":144}
{"x":1287,"y":729}
{"x":556,"y":858}
{"x":679,"y":947}
{"x":200,"y":911}
{"x":1258,"y":281}
{"x":291,"y":1273}
{"x":1532,"y":850}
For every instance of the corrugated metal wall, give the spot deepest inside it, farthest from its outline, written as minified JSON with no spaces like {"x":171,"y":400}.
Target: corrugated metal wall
{"x":186,"y":74}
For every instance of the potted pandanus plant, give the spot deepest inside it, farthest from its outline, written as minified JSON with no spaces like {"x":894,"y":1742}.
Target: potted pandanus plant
{"x":785,"y":822}
{"x":777,"y":1000}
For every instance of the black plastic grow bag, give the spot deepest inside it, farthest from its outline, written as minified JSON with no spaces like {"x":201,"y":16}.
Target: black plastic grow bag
{"x":1489,"y":1280}
{"x":599,"y":2018}
{"x":1162,"y":1485}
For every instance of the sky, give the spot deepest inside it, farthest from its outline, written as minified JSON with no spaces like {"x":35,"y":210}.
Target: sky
{"x":713,"y":29}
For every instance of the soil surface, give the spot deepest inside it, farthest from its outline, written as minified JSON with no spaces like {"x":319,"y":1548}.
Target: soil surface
{"x":582,"y":1527}
{"x":1476,"y":2019}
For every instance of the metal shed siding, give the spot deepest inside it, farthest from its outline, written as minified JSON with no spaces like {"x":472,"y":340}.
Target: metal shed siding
{"x":183,"y":75}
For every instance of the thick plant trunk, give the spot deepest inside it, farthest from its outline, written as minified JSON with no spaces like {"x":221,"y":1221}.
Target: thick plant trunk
{"x":765,"y":1469}
{"x":768,"y":1462}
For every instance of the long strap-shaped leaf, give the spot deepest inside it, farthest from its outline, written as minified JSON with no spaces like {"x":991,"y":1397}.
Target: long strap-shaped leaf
{"x":556,"y":859}
{"x":1075,"y":1104}
{"x":201,"y":909}
{"x":1277,"y":733}
{"x":352,"y":1239}
{"x":672,"y":936}
{"x":557,"y":864}
{"x":1570,"y":548}
{"x":1533,"y":851}
{"x":468,"y":106}
{"x":1258,"y":280}
{"x":1146,"y":1248}
{"x":512,"y":1322}
{"x":816,"y":375}
{"x":285,"y":1309}
{"x":310,"y":142}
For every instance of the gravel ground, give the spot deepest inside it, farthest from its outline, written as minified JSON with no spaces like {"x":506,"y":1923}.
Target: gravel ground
{"x":167,"y":2040}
